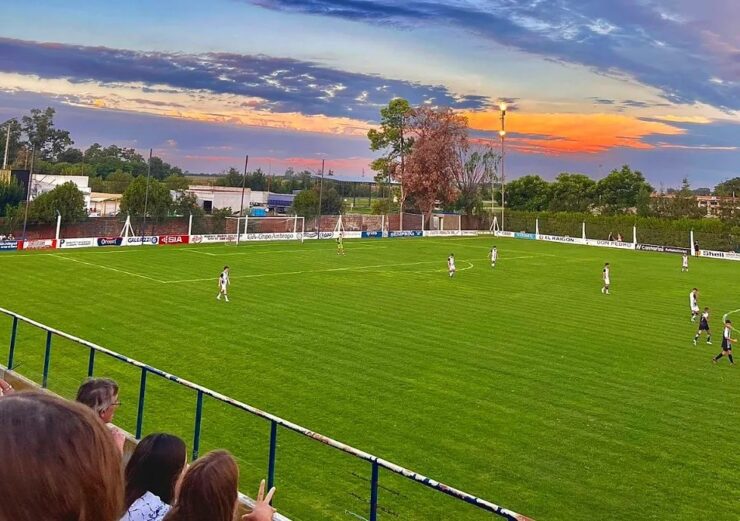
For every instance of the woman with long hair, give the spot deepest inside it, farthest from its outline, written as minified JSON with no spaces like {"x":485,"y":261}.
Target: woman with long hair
{"x":152,"y":476}
{"x":59,"y":462}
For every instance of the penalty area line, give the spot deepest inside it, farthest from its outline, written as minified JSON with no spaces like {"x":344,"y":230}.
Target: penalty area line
{"x":67,"y":258}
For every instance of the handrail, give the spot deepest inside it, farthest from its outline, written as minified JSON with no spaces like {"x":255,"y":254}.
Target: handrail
{"x":275,"y":420}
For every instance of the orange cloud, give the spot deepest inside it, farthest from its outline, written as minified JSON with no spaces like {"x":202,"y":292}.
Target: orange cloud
{"x":572,"y":133}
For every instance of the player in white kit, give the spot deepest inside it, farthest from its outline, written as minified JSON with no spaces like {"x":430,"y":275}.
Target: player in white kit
{"x":451,"y":264}
{"x":494,"y":256}
{"x":606,"y":278}
{"x":223,"y":284}
{"x":685,"y":263}
{"x":694,"y":304}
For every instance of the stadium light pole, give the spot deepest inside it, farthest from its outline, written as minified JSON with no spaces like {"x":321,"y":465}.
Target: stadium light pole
{"x":146,"y":195}
{"x":7,"y":144}
{"x":244,"y":186}
{"x":28,"y":191}
{"x":502,"y":133}
{"x":321,"y":189}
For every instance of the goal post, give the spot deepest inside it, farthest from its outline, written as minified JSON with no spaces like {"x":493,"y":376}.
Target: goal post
{"x":250,"y":228}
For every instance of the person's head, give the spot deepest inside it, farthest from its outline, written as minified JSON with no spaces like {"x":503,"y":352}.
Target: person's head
{"x":606,"y":264}
{"x":155,"y":466}
{"x":728,"y":322}
{"x":101,"y":395}
{"x":226,"y":268}
{"x":59,"y":462}
{"x":452,"y":254}
{"x":706,"y":310}
{"x":694,"y":290}
{"x":208,"y":491}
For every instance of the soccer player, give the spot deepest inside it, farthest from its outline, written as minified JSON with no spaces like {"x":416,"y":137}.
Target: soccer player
{"x":223,"y":284}
{"x":494,"y":256}
{"x":340,"y":243}
{"x":685,"y":263}
{"x":694,"y":304}
{"x":605,"y":277}
{"x":451,"y":264}
{"x":727,"y":342}
{"x":704,"y":326}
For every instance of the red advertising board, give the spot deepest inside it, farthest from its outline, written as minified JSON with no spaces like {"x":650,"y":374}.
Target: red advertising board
{"x":173,"y":239}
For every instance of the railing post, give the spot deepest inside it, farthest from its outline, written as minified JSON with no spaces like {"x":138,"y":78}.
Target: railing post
{"x":374,"y":493}
{"x":273,"y":453}
{"x":47,"y":359}
{"x":198,"y":417}
{"x":91,"y":363}
{"x":13,"y":333}
{"x":140,"y":412}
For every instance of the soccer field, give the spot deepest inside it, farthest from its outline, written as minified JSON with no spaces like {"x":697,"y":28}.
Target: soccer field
{"x":521,"y":384}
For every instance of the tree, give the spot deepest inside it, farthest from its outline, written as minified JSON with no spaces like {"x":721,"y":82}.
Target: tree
{"x":478,"y":166}
{"x":118,"y":181}
{"x":681,"y":203}
{"x":232,"y":178}
{"x":11,"y":193}
{"x":617,"y":192}
{"x":531,"y":193}
{"x":306,"y":203}
{"x":187,"y":204}
{"x":41,"y":134}
{"x":331,"y":202}
{"x":176,"y":182}
{"x":439,"y":136}
{"x":66,"y":199}
{"x":158,"y":202}
{"x":729,"y":187}
{"x":71,"y":155}
{"x":571,"y":193}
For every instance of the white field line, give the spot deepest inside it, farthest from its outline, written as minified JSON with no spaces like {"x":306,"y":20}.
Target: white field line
{"x":107,"y":268}
{"x":270,"y":252}
{"x":724,"y":319}
{"x":443,"y":270}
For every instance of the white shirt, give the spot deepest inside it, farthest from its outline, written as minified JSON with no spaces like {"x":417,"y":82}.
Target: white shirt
{"x":726,"y":334}
{"x":692,"y":300}
{"x":224,"y":278}
{"x":685,"y":260}
{"x":147,"y":508}
{"x":606,"y":274}
{"x":450,"y":262}
{"x":494,"y":254}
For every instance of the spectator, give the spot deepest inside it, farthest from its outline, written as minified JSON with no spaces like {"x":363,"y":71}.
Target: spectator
{"x":5,"y":388}
{"x":209,"y":492}
{"x":611,"y":237}
{"x":101,"y":395}
{"x":152,"y":476}
{"x":620,"y":238}
{"x":59,"y":463}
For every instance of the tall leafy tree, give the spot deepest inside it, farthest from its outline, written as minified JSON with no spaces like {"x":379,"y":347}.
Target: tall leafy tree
{"x":306,"y":203}
{"x":531,"y":193}
{"x":571,"y":193}
{"x":11,"y":193}
{"x":66,"y":199}
{"x":618,"y":192}
{"x":729,"y":187}
{"x":680,"y":203}
{"x":15,"y":140}
{"x":478,"y":166}
{"x":41,"y":134}
{"x":158,"y":203}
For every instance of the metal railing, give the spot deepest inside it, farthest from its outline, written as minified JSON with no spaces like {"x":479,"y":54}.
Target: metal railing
{"x":275,"y":421}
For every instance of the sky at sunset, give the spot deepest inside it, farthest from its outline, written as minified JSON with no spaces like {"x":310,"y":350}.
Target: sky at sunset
{"x":591,"y":84}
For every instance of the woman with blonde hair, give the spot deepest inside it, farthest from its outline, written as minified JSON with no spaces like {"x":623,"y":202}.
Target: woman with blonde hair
{"x":59,"y":462}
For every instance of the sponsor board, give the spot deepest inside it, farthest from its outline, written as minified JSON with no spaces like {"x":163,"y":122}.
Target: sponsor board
{"x":501,"y":233}
{"x":442,"y":233}
{"x":314,"y":235}
{"x":110,"y":241}
{"x":485,"y":232}
{"x":41,"y":244}
{"x":469,"y":233}
{"x":662,"y":249}
{"x":146,"y":240}
{"x":174,"y":239}
{"x":215,"y":237}
{"x":286,"y":236}
{"x":406,"y":233}
{"x":89,"y":242}
{"x":372,"y":235}
{"x":558,"y":238}
{"x":713,"y":254}
{"x":610,"y":244}
{"x":525,"y":235}
{"x":10,"y":245}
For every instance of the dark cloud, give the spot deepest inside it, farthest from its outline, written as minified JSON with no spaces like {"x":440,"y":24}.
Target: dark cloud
{"x":281,"y":84}
{"x":687,"y":60}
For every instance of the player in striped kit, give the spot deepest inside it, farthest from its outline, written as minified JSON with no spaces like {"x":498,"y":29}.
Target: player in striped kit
{"x":727,"y":342}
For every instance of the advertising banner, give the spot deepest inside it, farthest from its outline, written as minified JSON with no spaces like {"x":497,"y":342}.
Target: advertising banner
{"x":662,"y":249}
{"x":110,"y":241}
{"x":173,"y":239}
{"x":469,"y":233}
{"x":501,"y":234}
{"x":89,"y":242}
{"x":146,"y":240}
{"x":314,"y":235}
{"x":727,"y":255}
{"x":41,"y":244}
{"x":442,"y":233}
{"x":524,"y":235}
{"x":278,"y":236}
{"x":558,"y":238}
{"x":10,"y":245}
{"x":610,"y":244}
{"x":406,"y":233}
{"x":217,"y":237}
{"x":372,"y":235}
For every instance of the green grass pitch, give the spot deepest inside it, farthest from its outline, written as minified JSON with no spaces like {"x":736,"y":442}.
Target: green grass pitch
{"x":522,"y":384}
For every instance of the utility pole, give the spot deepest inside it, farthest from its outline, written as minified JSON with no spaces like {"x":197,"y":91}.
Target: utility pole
{"x":321,"y":189}
{"x":146,"y":195}
{"x":502,"y":133}
{"x":7,"y":145}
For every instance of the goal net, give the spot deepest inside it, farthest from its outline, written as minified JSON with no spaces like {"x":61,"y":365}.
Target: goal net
{"x":289,"y":228}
